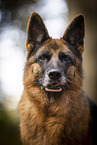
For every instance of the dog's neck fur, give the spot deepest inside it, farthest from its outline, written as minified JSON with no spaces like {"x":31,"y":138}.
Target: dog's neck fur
{"x":55,"y":120}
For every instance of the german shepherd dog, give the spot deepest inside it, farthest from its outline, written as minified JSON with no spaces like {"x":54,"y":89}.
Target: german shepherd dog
{"x":54,"y":109}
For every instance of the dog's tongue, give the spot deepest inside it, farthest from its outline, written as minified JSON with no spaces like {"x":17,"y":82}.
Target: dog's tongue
{"x":53,"y":90}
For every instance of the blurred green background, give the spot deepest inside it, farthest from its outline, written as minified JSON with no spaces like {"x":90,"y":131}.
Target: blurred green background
{"x":14,"y":15}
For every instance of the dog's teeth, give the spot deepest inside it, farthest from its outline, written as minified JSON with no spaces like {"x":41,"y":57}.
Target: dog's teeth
{"x":53,"y":90}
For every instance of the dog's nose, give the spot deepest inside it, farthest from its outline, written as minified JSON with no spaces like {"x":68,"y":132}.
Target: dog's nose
{"x":54,"y":75}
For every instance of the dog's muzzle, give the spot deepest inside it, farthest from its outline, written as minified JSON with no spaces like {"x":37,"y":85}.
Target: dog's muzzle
{"x":54,"y":76}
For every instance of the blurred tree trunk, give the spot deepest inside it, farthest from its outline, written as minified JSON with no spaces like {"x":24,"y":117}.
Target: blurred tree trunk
{"x":89,"y":9}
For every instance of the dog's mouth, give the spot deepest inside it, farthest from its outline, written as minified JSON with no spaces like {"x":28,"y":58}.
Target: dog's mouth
{"x":53,"y":88}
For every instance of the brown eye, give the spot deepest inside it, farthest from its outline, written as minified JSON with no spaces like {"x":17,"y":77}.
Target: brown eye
{"x":65,"y":58}
{"x":42,"y":58}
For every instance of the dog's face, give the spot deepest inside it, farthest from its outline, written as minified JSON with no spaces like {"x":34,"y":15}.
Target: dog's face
{"x":54,"y":65}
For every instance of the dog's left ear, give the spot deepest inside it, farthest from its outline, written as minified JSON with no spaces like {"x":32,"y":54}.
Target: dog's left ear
{"x":36,"y":32}
{"x":74,"y":33}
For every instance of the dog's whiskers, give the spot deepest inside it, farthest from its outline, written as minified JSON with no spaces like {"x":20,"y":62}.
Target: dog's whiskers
{"x":69,"y":81}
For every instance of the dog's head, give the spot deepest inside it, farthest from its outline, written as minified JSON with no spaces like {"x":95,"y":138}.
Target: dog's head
{"x":54,"y":65}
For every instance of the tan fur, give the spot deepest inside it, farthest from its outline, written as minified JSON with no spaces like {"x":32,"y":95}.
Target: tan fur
{"x":43,"y":121}
{"x":54,"y":118}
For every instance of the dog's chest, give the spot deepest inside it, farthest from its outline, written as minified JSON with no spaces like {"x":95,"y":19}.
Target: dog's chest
{"x":45,"y":128}
{"x":49,"y":127}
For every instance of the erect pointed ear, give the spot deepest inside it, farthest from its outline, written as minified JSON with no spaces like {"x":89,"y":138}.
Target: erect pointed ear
{"x":74,"y":33}
{"x":36,"y":32}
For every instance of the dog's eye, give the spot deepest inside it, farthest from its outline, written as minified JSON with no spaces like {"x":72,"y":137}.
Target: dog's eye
{"x":42,"y":58}
{"x":65,"y":58}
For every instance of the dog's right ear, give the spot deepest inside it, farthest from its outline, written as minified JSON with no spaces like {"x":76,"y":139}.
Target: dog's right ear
{"x":74,"y":34}
{"x":36,"y":32}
